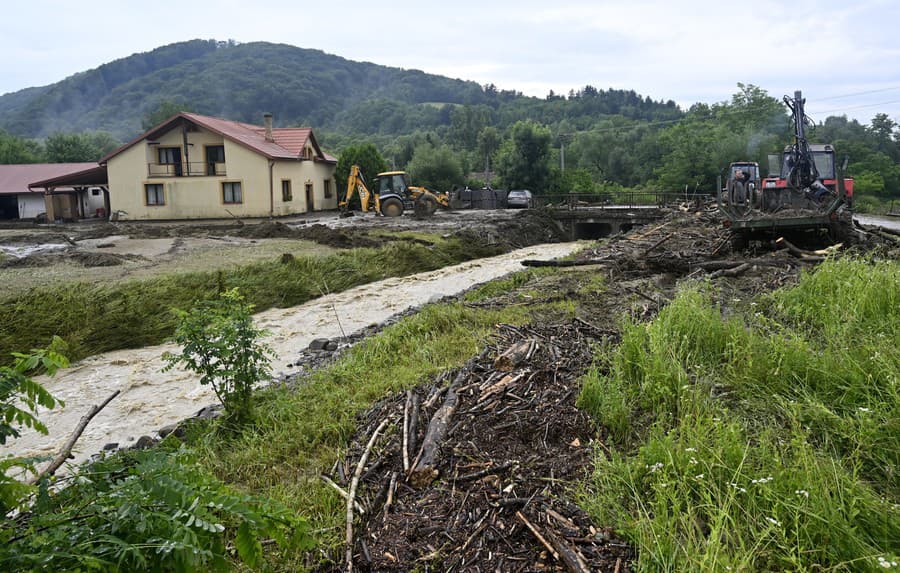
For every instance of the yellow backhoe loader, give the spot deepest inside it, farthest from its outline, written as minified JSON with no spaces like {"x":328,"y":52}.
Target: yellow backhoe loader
{"x":391,"y":195}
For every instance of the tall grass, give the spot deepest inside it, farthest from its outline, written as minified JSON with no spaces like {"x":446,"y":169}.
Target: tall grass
{"x":764,"y":442}
{"x":99,"y":318}
{"x":301,"y":433}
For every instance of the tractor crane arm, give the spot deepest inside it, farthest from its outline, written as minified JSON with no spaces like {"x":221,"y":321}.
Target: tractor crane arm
{"x":802,"y":171}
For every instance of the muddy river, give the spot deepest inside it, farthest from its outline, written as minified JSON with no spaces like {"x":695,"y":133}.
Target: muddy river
{"x":151,"y":399}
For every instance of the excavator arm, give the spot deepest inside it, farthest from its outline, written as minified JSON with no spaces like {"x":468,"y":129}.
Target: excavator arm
{"x":356,"y":183}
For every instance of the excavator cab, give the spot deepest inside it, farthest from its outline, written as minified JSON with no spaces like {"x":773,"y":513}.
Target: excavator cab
{"x":392,"y":183}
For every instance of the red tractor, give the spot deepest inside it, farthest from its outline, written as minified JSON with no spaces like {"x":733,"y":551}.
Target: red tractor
{"x":804,"y":191}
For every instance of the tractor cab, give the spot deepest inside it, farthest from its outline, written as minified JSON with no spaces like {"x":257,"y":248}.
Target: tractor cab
{"x":392,"y":183}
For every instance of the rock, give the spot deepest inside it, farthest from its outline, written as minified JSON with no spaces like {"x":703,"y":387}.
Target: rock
{"x":144,"y":442}
{"x":287,"y":258}
{"x":319,"y":344}
{"x":171,"y":429}
{"x":210,"y":412}
{"x":331,"y":346}
{"x":110,"y":446}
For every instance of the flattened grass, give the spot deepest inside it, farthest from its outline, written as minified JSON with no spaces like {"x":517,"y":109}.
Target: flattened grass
{"x":99,"y":318}
{"x":762,"y":442}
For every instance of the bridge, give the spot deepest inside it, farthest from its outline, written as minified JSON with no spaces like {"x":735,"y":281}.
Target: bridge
{"x":594,"y":216}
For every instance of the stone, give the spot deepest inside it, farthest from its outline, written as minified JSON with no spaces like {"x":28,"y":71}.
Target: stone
{"x":172,"y":429}
{"x":318,"y":344}
{"x":210,"y":412}
{"x":143,"y":443}
{"x":110,"y":446}
{"x":331,"y":346}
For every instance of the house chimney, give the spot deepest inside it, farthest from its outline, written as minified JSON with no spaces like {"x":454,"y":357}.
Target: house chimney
{"x":267,"y":121}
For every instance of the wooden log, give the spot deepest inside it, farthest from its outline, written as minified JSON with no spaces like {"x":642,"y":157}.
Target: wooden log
{"x":566,"y":263}
{"x":507,"y":381}
{"x":424,"y":469}
{"x":405,"y":445}
{"x":66,"y":450}
{"x":571,"y":557}
{"x":413,"y":430}
{"x":655,"y":245}
{"x":514,"y":355}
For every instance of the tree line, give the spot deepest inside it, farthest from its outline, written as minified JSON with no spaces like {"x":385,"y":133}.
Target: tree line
{"x":569,"y":145}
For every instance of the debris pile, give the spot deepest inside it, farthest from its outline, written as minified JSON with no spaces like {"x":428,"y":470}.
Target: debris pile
{"x":476,"y":472}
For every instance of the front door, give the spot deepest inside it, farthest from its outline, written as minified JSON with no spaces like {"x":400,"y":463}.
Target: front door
{"x":310,"y":205}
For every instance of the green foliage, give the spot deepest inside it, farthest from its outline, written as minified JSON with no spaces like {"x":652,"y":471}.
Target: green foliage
{"x":760,"y":442}
{"x":151,"y":510}
{"x":366,"y":156}
{"x":20,"y":396}
{"x":220,"y":343}
{"x":17,"y":150}
{"x":163,"y":111}
{"x":435,"y":168}
{"x":78,"y":147}
{"x":523,"y":160}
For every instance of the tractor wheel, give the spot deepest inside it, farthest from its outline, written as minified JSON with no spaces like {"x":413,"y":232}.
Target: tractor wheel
{"x":425,"y":206}
{"x":391,"y":207}
{"x":739,"y":242}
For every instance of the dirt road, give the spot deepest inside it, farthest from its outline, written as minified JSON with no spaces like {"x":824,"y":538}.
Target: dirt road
{"x":151,"y":399}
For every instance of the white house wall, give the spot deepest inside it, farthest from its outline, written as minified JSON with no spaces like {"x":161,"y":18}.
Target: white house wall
{"x":200,"y":197}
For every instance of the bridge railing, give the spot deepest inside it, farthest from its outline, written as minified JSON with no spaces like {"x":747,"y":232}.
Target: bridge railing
{"x":618,"y":199}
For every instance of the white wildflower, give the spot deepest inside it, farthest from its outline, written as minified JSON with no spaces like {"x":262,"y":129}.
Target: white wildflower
{"x":694,"y":461}
{"x":773,"y":521}
{"x":861,"y":409}
{"x":698,"y":476}
{"x":690,"y":449}
{"x":802,"y":492}
{"x":655,"y":467}
{"x":886,"y":564}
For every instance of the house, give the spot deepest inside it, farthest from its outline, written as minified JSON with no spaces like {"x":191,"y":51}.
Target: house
{"x":82,"y":195}
{"x":197,"y":167}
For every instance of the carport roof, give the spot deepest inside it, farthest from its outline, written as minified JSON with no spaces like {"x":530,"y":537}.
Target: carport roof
{"x":16,"y":179}
{"x":92,"y":176}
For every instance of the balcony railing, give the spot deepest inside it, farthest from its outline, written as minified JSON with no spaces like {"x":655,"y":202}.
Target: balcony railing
{"x":192,"y":169}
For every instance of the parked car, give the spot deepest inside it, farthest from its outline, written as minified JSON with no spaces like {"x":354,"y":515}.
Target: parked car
{"x":520,"y":199}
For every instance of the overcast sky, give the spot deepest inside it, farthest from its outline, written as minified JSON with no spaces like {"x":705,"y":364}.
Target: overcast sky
{"x":843,"y":54}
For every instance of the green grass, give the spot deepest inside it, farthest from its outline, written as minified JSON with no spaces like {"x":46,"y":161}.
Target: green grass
{"x":301,"y":433}
{"x":769,"y":441}
{"x":99,"y":318}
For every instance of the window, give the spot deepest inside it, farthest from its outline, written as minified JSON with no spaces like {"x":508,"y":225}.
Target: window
{"x":327,"y":188}
{"x":95,"y":192}
{"x":286,"y":194}
{"x":171,"y":158}
{"x":231,"y":192}
{"x":154,"y":194}
{"x":215,"y":154}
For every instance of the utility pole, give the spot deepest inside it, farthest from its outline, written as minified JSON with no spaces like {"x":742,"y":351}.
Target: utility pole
{"x":563,"y":138}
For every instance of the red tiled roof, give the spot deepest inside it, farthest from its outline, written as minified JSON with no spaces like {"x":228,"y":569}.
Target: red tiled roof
{"x":289,"y":141}
{"x":16,"y":178}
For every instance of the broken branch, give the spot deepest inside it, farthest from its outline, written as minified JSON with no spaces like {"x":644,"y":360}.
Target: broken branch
{"x":352,"y":495}
{"x":66,"y":450}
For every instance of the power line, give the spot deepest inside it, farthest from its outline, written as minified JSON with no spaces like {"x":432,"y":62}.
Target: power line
{"x":880,"y":90}
{"x":858,"y":106}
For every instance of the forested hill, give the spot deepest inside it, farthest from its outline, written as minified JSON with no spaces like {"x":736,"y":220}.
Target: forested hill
{"x":299,"y":86}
